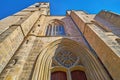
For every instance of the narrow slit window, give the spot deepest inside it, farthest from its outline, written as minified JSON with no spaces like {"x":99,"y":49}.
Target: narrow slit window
{"x":47,"y":32}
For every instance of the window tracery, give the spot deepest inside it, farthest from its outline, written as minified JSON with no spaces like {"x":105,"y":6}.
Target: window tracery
{"x":55,"y":28}
{"x":66,"y":58}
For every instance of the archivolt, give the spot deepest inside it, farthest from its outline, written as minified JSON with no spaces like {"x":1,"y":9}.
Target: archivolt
{"x":93,"y":69}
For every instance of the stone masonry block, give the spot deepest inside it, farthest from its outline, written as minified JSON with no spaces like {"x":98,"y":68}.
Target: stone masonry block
{"x":10,"y":40}
{"x":109,"y":57}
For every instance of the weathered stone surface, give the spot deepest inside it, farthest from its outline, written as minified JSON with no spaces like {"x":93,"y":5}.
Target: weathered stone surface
{"x":110,"y":16}
{"x":104,"y":49}
{"x":107,"y":25}
{"x":5,"y":23}
{"x":23,"y":13}
{"x":27,"y":53}
{"x":10,"y":40}
{"x":14,"y":69}
{"x":37,"y":28}
{"x":28,"y":23}
{"x":81,"y":19}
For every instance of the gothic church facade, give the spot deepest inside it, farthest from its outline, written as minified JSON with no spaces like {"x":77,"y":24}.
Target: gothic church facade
{"x":78,"y":46}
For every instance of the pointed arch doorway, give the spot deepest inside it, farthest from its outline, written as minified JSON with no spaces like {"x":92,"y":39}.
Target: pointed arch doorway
{"x":53,"y":58}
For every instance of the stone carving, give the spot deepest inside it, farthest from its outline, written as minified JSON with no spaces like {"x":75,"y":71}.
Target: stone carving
{"x":66,"y":58}
{"x":54,"y":63}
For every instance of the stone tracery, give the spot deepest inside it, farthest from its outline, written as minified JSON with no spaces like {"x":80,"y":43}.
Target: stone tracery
{"x":66,"y":58}
{"x":55,"y":28}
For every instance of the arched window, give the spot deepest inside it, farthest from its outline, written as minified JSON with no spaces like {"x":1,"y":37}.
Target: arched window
{"x":58,"y":75}
{"x":55,"y":28}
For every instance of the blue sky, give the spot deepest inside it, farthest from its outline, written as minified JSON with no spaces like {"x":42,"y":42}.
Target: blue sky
{"x":59,"y":7}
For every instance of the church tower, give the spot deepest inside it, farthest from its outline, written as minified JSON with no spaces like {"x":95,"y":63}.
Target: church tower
{"x":78,"y":46}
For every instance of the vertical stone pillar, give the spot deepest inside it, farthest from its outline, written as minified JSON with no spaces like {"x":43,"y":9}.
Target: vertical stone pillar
{"x":69,"y":75}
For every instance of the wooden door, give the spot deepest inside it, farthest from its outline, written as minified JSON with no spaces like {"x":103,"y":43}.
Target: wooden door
{"x":78,"y":75}
{"x":58,"y":75}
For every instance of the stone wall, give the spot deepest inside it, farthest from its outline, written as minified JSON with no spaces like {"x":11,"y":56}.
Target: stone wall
{"x":109,"y":22}
{"x":28,"y":23}
{"x":80,"y":18}
{"x":14,"y":29}
{"x":107,"y":49}
{"x":110,"y":16}
{"x":10,"y":40}
{"x":5,"y":23}
{"x":24,"y":36}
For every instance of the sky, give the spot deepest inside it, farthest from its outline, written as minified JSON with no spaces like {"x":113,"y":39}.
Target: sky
{"x":59,"y":7}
